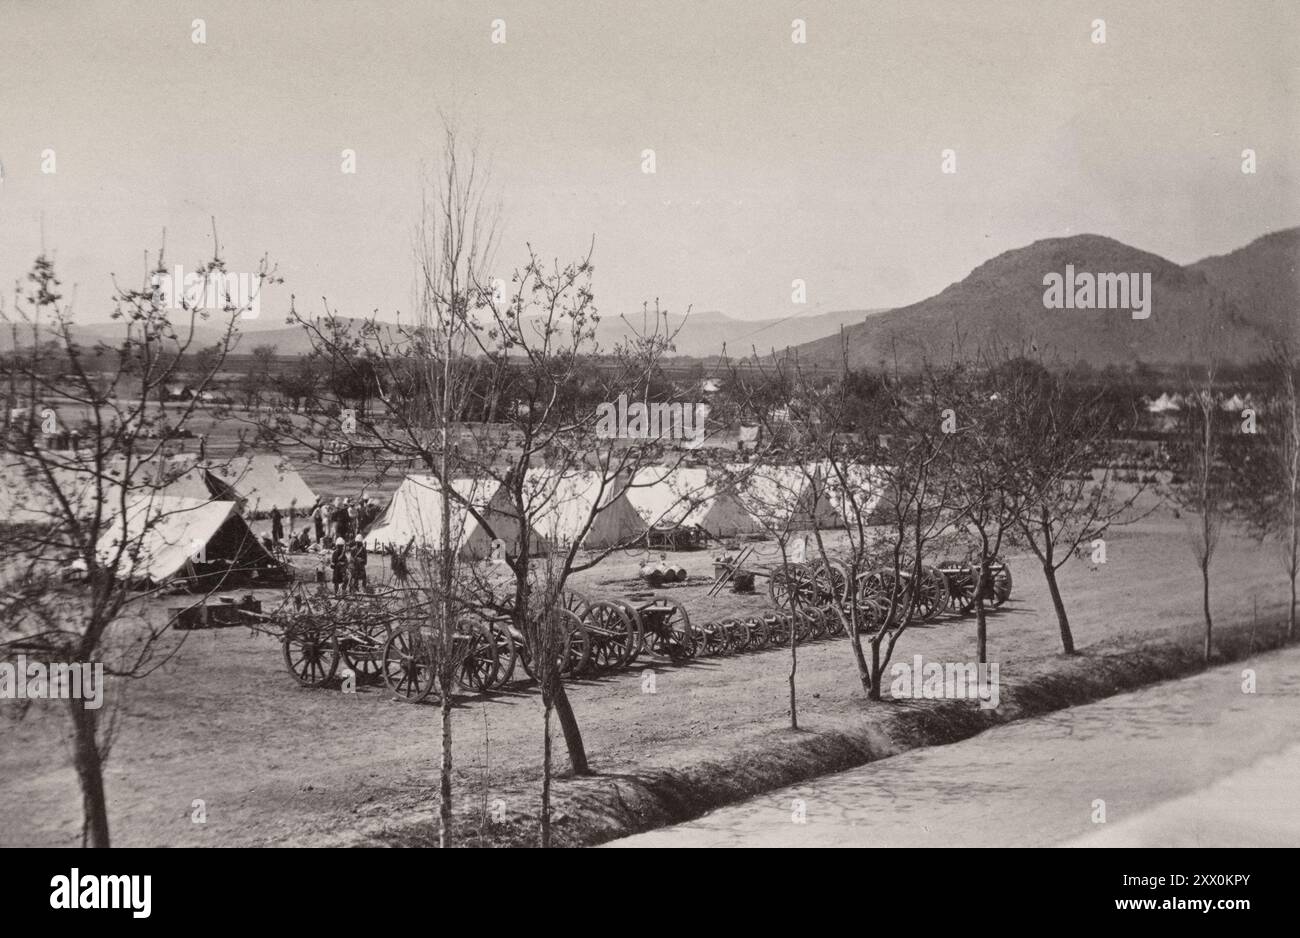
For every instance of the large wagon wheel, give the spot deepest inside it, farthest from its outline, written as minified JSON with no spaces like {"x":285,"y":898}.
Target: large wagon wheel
{"x":578,"y":648}
{"x":614,"y":634}
{"x":870,"y":602}
{"x":574,"y":602}
{"x":787,"y":583}
{"x":831,"y":583}
{"x":311,"y":652}
{"x":639,"y":637}
{"x":362,"y":648}
{"x":931,"y":595}
{"x":676,"y":638}
{"x":482,"y":663}
{"x":409,"y":664}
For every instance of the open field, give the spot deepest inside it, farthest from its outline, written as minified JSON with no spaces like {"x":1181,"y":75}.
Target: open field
{"x":275,"y":763}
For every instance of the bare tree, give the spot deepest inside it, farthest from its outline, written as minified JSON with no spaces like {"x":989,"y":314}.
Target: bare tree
{"x":1203,"y":484}
{"x":1270,"y":488}
{"x":1059,"y":439}
{"x":498,"y":382}
{"x":94,"y":508}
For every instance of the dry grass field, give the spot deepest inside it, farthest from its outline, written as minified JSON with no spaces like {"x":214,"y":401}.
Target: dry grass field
{"x":275,"y":763}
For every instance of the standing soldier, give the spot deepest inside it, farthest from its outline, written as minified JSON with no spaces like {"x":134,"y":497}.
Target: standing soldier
{"x":339,"y":565}
{"x":359,"y":555}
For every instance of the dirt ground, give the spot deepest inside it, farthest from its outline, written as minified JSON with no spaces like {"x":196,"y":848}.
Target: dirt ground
{"x":274,"y":763}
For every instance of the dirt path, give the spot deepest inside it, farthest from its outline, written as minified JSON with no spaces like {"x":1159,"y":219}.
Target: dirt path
{"x":275,"y":763}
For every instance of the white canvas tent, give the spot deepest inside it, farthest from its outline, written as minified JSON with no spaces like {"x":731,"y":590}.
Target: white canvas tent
{"x":1162,"y":404}
{"x":27,"y":496}
{"x":686,"y":497}
{"x":869,"y":486}
{"x":414,"y":515}
{"x":166,"y":536}
{"x":559,"y":504}
{"x":262,"y":482}
{"x":784,"y":497}
{"x":174,"y":476}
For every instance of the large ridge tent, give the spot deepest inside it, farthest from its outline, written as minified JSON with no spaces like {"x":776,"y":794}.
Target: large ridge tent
{"x":173,"y":476}
{"x":869,"y":484}
{"x":167,"y":536}
{"x":784,"y":497}
{"x":560,"y":502}
{"x":687,"y":497}
{"x":260,"y":483}
{"x":29,"y":497}
{"x":414,"y":516}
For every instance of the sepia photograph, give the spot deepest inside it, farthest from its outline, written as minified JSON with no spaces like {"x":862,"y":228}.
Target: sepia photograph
{"x":656,"y":425}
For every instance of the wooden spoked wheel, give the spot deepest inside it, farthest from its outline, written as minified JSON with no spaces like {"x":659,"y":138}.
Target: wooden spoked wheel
{"x":639,"y":637}
{"x":410,"y":664}
{"x":778,"y":629}
{"x":613,"y":633}
{"x":931,"y":599}
{"x":311,"y":652}
{"x":871,"y":602}
{"x":481,"y":662}
{"x":667,"y":621}
{"x":362,"y":648}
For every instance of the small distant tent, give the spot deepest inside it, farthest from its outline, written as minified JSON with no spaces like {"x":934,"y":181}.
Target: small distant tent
{"x":414,"y":516}
{"x":559,"y":504}
{"x":1162,"y":404}
{"x":167,"y":536}
{"x":260,"y":483}
{"x":686,"y":497}
{"x":792,"y":497}
{"x":1234,"y":404}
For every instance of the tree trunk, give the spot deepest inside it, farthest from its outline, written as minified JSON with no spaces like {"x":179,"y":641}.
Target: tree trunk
{"x":1290,"y":619}
{"x":572,"y":734}
{"x":864,"y":672}
{"x":90,"y":775}
{"x":874,"y":693}
{"x":981,"y":631}
{"x":444,"y":774}
{"x":546,"y":776}
{"x":794,"y":664}
{"x":1067,"y":638}
{"x":1205,"y":605}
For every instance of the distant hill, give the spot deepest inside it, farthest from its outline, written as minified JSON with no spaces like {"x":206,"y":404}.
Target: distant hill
{"x":701,"y":334}
{"x":1234,"y":306}
{"x":707,"y":333}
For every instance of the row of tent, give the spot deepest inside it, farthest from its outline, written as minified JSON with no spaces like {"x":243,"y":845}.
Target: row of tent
{"x":180,"y":516}
{"x":1169,"y":403}
{"x":737,"y":502}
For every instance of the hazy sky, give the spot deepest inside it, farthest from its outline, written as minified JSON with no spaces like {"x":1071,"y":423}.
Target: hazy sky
{"x":774,"y":160}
